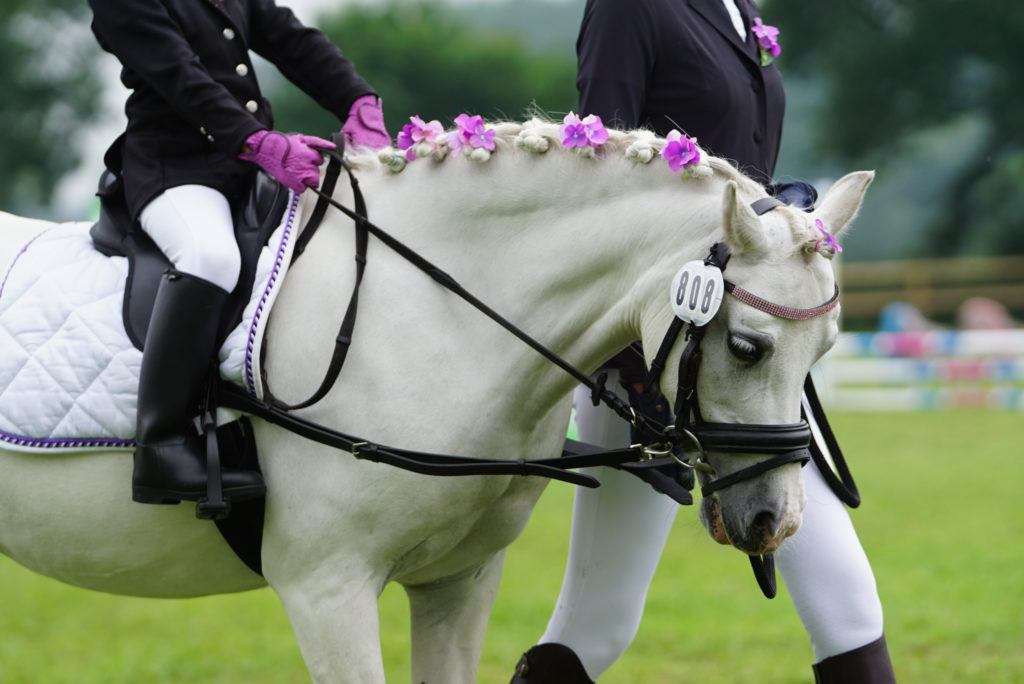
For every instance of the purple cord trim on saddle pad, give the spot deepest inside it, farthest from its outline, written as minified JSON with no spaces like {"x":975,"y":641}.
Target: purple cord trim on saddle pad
{"x":250,"y":380}
{"x":66,"y":443}
{"x":18,"y":256}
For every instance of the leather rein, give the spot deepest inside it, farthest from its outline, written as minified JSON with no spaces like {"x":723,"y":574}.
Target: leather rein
{"x":787,"y":443}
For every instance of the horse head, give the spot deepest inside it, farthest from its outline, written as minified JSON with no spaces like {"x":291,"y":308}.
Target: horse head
{"x":780,"y":317}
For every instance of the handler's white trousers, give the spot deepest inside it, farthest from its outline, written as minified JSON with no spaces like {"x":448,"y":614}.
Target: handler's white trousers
{"x":618,"y":534}
{"x":192,"y":225}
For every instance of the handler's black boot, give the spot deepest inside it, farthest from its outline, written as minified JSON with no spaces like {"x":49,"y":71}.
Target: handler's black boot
{"x":550,"y":664}
{"x":170,"y":455}
{"x":869,"y":664}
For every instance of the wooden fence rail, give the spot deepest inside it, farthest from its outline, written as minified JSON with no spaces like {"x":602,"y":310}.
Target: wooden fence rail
{"x":935,"y":286}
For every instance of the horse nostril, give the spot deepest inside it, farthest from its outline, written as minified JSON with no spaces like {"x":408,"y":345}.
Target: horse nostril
{"x":764,"y":524}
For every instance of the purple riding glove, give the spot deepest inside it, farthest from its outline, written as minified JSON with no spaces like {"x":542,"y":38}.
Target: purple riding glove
{"x":364,"y":126}
{"x":291,"y":159}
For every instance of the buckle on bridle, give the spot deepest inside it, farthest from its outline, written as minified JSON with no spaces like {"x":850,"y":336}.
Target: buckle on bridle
{"x":653,"y":451}
{"x":699,"y":463}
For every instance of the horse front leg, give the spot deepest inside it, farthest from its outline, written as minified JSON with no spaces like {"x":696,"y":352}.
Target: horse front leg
{"x":449,"y":620}
{"x":333,"y":612}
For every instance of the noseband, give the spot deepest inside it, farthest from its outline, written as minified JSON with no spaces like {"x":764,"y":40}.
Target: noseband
{"x":786,"y":443}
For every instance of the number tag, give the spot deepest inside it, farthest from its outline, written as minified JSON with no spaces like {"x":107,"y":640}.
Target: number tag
{"x":697,"y":291}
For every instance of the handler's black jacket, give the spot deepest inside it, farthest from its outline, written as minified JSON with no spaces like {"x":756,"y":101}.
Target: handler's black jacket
{"x":195,"y":98}
{"x":665,"y":64}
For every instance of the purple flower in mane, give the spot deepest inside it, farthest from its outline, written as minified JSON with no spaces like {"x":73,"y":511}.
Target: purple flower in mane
{"x":680,"y":151}
{"x":767,"y":40}
{"x":458,"y":137}
{"x":586,"y":132}
{"x":478,"y":134}
{"x":828,"y":238}
{"x":471,"y":131}
{"x":416,"y":132}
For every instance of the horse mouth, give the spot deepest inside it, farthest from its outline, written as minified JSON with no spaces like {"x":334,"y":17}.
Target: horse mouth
{"x":759,"y":538}
{"x":711,"y":516}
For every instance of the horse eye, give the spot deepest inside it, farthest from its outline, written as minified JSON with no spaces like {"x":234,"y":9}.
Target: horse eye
{"x":745,"y":349}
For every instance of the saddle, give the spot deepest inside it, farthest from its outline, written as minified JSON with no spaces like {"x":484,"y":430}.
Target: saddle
{"x":115,"y":234}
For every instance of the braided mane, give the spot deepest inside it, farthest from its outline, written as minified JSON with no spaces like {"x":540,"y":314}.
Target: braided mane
{"x":541,"y":136}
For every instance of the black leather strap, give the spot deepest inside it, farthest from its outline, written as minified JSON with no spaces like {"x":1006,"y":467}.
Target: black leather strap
{"x":343,"y":340}
{"x":797,"y":456}
{"x":842,"y":484}
{"x":574,"y":454}
{"x":764,"y":573}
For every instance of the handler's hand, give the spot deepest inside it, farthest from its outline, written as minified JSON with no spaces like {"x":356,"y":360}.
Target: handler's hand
{"x":365,"y":124}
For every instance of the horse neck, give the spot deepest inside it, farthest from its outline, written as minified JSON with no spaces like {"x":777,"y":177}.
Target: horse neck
{"x":573,"y":250}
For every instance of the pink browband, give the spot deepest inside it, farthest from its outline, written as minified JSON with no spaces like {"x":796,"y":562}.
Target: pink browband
{"x":781,"y":311}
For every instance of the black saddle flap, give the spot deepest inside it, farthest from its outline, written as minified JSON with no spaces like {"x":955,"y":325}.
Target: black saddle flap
{"x":115,"y":234}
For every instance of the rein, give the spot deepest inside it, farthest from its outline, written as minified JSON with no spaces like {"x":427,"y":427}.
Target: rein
{"x":574,"y":455}
{"x":789,"y":443}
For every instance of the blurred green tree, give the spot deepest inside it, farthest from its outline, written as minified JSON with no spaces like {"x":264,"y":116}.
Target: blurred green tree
{"x":427,"y":60}
{"x":895,"y":68}
{"x":50,"y":92}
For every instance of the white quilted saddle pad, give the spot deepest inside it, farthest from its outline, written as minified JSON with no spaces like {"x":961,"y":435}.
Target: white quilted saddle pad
{"x":69,"y":373}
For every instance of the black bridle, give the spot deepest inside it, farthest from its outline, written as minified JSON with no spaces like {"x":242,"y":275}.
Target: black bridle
{"x":788,"y":443}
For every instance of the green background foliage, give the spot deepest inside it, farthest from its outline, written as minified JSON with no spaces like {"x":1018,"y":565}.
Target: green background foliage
{"x":941,"y":520}
{"x":427,"y":60}
{"x":49,"y":87}
{"x":896,"y":76}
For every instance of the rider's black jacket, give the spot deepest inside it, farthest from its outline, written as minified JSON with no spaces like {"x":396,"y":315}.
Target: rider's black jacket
{"x":194,"y":96}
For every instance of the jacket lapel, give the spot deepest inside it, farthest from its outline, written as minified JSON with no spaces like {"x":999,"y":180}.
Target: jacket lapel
{"x":713,"y":12}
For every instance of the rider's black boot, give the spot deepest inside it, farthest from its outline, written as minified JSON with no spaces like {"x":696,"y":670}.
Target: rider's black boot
{"x":869,"y":664}
{"x":170,"y":455}
{"x":550,"y":664}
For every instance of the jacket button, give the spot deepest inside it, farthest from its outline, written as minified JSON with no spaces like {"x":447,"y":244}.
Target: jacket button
{"x":242,"y":70}
{"x":758,"y":137}
{"x":755,"y":86}
{"x":252,"y":106}
{"x":228,"y":33}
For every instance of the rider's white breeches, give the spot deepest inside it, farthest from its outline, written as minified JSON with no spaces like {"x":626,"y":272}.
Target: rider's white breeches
{"x":192,"y":225}
{"x":618,"y":534}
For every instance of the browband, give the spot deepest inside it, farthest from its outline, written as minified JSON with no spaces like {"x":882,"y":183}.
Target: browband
{"x":781,"y":311}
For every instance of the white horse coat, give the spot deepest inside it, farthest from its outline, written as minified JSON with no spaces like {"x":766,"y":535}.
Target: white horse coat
{"x":577,"y":251}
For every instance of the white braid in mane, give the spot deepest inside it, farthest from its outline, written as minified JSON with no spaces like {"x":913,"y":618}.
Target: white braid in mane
{"x":539,"y":136}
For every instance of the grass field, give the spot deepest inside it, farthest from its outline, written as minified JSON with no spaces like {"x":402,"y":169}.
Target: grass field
{"x":942,"y":521}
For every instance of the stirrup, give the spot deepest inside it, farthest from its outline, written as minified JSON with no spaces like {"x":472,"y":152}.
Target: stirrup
{"x":213,"y":506}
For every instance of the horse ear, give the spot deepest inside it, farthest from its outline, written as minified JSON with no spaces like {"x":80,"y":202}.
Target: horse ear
{"x":843,"y":200}
{"x":742,"y":227}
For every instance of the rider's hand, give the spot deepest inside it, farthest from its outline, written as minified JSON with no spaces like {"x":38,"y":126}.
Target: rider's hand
{"x":365,"y":124}
{"x":291,"y":159}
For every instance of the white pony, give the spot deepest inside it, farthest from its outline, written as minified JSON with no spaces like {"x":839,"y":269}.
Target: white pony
{"x":577,"y":251}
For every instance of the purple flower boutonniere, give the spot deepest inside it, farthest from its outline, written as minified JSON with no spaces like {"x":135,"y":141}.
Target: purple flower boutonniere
{"x":767,"y":41}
